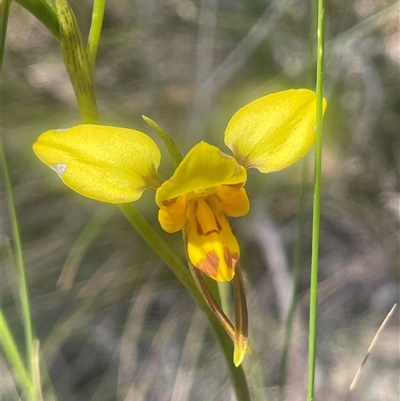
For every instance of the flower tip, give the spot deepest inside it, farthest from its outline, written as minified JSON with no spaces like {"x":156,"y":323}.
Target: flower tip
{"x":239,"y":353}
{"x":212,"y":263}
{"x":145,"y":118}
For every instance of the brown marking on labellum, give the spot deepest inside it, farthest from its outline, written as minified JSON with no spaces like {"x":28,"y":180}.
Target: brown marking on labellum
{"x":210,"y":264}
{"x":230,"y":258}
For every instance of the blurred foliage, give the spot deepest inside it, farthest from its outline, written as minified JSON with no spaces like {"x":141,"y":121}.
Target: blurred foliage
{"x":118,"y":332}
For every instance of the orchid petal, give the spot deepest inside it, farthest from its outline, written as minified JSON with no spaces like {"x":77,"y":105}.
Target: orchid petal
{"x":272,"y":132}
{"x":110,"y":164}
{"x":203,"y":168}
{"x":172,"y":217}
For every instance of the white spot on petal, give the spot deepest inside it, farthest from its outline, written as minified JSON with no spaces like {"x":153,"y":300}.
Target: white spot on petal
{"x":60,"y":168}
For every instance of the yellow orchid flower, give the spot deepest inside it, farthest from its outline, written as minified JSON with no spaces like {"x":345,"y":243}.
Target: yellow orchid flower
{"x":205,"y":187}
{"x":116,"y":165}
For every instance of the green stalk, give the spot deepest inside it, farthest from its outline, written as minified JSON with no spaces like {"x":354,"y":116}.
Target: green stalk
{"x":180,"y":269}
{"x":312,"y":338}
{"x":23,"y":293}
{"x":95,"y":31}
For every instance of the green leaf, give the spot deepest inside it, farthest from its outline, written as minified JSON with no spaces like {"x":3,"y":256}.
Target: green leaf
{"x":45,"y":12}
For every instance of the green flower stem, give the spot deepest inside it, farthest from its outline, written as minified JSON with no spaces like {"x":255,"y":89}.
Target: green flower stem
{"x":312,"y":337}
{"x":181,"y":270}
{"x":23,"y":293}
{"x":14,"y":357}
{"x":95,"y":31}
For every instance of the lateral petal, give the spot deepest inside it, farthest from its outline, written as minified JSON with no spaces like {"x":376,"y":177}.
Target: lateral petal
{"x":233,"y":200}
{"x":274,"y":131}
{"x":110,"y":164}
{"x":172,"y":217}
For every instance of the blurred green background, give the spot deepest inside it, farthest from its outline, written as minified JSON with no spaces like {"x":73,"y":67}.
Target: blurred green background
{"x":114,"y":324}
